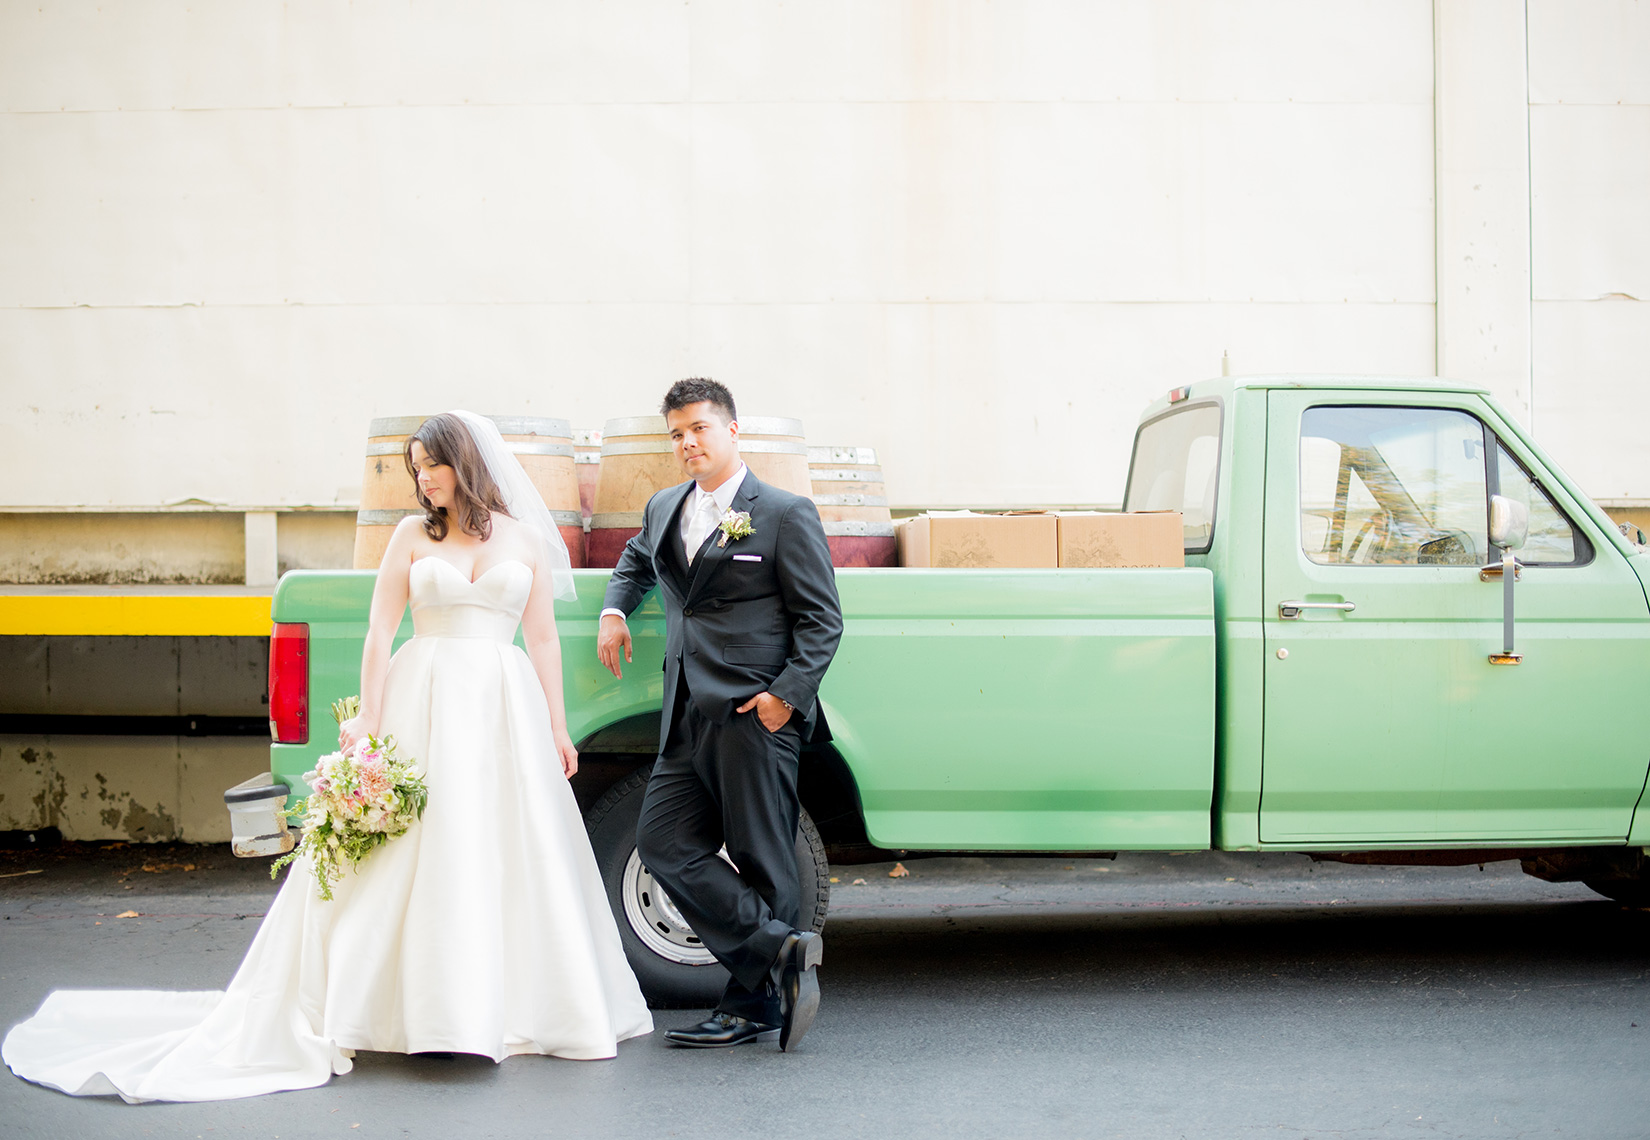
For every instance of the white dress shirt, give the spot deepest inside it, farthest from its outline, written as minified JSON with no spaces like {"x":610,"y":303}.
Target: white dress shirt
{"x":693,"y":527}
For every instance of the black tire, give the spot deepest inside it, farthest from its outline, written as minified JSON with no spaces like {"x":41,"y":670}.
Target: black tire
{"x":1630,"y":892}
{"x":674,"y":971}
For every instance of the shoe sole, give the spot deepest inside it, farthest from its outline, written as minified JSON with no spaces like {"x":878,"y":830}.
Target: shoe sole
{"x":805,"y":1002}
{"x":712,"y":1044}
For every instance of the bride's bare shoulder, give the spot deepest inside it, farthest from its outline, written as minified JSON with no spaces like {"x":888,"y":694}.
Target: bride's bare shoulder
{"x":408,"y":542}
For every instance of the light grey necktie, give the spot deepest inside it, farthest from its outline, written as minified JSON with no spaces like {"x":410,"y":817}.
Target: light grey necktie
{"x":704,"y":521}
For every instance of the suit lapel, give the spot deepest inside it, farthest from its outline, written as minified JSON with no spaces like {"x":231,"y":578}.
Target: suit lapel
{"x":711,"y":555}
{"x":671,"y":535}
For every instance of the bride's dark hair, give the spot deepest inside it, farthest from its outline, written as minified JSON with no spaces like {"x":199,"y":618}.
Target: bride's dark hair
{"x":475,"y":495}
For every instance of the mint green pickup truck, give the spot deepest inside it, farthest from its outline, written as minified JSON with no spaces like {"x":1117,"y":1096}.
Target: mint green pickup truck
{"x":1340,"y":668}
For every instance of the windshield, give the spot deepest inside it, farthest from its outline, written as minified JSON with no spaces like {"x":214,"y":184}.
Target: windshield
{"x":1176,"y":461}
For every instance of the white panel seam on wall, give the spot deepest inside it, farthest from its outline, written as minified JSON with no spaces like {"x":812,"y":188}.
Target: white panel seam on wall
{"x":1529,"y":225}
{"x":742,"y":103}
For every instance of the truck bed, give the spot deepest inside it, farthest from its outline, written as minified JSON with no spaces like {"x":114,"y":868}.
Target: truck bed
{"x":1024,"y":710}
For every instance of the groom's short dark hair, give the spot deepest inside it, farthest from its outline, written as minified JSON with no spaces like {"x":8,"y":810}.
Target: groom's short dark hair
{"x":685,"y":392}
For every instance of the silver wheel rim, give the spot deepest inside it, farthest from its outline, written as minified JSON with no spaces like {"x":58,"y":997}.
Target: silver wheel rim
{"x":652,"y":914}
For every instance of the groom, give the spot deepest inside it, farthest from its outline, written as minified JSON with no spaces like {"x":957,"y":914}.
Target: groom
{"x":751,"y":623}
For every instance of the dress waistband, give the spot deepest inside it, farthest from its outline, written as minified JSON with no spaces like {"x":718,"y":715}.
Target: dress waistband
{"x":478,"y":622}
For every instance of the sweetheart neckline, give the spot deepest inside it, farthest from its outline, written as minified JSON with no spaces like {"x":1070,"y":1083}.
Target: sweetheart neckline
{"x":478,"y":577}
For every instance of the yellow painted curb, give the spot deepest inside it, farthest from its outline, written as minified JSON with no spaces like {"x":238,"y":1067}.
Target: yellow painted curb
{"x":134,"y":615}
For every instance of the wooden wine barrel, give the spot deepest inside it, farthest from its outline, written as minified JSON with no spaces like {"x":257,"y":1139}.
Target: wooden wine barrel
{"x":847,"y":488}
{"x":638,"y":461}
{"x":587,"y":460}
{"x":544,"y":447}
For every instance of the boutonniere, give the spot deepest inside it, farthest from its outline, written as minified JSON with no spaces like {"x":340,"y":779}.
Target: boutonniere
{"x":734,"y":525}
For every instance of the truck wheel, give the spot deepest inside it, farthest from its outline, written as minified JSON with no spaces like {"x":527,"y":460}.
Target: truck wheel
{"x":1631,"y":892}
{"x":671,"y":964}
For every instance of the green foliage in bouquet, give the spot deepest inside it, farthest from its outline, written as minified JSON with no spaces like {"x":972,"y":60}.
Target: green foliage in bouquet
{"x":359,"y":800}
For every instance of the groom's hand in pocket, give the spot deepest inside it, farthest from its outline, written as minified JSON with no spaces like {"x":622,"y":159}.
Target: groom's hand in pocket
{"x":612,"y":638}
{"x":772,"y":711}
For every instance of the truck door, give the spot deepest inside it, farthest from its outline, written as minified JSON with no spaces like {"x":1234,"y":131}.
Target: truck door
{"x":1385,"y":722}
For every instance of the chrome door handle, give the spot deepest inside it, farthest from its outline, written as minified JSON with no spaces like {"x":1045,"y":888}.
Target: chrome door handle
{"x":1289,"y":611}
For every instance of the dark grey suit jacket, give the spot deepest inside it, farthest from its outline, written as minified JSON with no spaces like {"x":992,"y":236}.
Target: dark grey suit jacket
{"x":759,"y":613}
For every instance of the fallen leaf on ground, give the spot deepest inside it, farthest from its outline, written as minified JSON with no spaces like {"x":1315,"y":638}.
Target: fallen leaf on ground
{"x":834,"y":879}
{"x":899,"y":872}
{"x":157,"y":868}
{"x":857,"y":883}
{"x":127,"y":914}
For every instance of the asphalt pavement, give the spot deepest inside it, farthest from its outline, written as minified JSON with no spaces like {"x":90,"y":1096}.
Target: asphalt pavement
{"x":1199,"y":995}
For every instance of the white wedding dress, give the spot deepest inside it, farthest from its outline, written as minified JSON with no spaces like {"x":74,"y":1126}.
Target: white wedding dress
{"x":484,"y":929}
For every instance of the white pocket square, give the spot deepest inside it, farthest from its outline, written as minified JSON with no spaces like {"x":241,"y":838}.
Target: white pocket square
{"x":747,"y":558}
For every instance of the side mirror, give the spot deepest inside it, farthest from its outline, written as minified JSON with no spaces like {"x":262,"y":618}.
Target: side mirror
{"x":1509,"y":523}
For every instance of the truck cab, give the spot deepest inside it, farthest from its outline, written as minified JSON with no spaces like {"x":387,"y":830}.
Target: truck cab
{"x":1363,"y":702}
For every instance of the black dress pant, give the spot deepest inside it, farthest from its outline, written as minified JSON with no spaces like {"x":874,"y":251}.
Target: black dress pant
{"x":732,"y":784}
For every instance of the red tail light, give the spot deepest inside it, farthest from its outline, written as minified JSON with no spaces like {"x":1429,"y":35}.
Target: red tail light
{"x":289,"y":683}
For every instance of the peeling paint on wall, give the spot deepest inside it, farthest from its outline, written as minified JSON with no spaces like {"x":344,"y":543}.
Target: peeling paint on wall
{"x":143,"y":789}
{"x":143,"y":825}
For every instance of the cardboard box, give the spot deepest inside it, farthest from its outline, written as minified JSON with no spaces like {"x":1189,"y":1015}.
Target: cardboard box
{"x":1144,"y":538}
{"x":965,"y":539}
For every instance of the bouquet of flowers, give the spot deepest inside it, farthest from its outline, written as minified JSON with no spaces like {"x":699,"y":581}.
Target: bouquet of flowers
{"x":359,"y":800}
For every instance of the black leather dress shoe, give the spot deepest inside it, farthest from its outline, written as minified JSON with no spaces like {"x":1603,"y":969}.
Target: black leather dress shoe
{"x":720,"y":1031}
{"x":799,"y":985}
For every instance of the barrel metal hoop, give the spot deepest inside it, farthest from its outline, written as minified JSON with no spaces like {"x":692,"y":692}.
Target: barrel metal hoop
{"x":389,"y":517}
{"x":383,"y":517}
{"x":507,"y":425}
{"x":828,"y":456}
{"x":611,"y":447}
{"x":831,"y":475}
{"x":655,"y":425}
{"x":395,"y":425}
{"x":746,"y":447}
{"x":851,"y":500}
{"x":565,"y":450}
{"x":854,"y":529}
{"x":533,"y":425}
{"x":616,"y":520}
{"x":771,"y":447}
{"x":634,"y":425}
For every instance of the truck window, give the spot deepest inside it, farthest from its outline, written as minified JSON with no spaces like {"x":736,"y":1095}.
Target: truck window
{"x":1552,"y":538}
{"x":1175,"y":467}
{"x":1393,"y":487}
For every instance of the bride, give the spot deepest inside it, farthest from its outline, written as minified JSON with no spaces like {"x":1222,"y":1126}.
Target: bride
{"x":484,"y":928}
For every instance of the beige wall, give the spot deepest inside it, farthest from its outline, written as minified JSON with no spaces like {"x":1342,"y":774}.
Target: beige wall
{"x":979,"y":236}
{"x":133,"y":546}
{"x":1590,"y":193}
